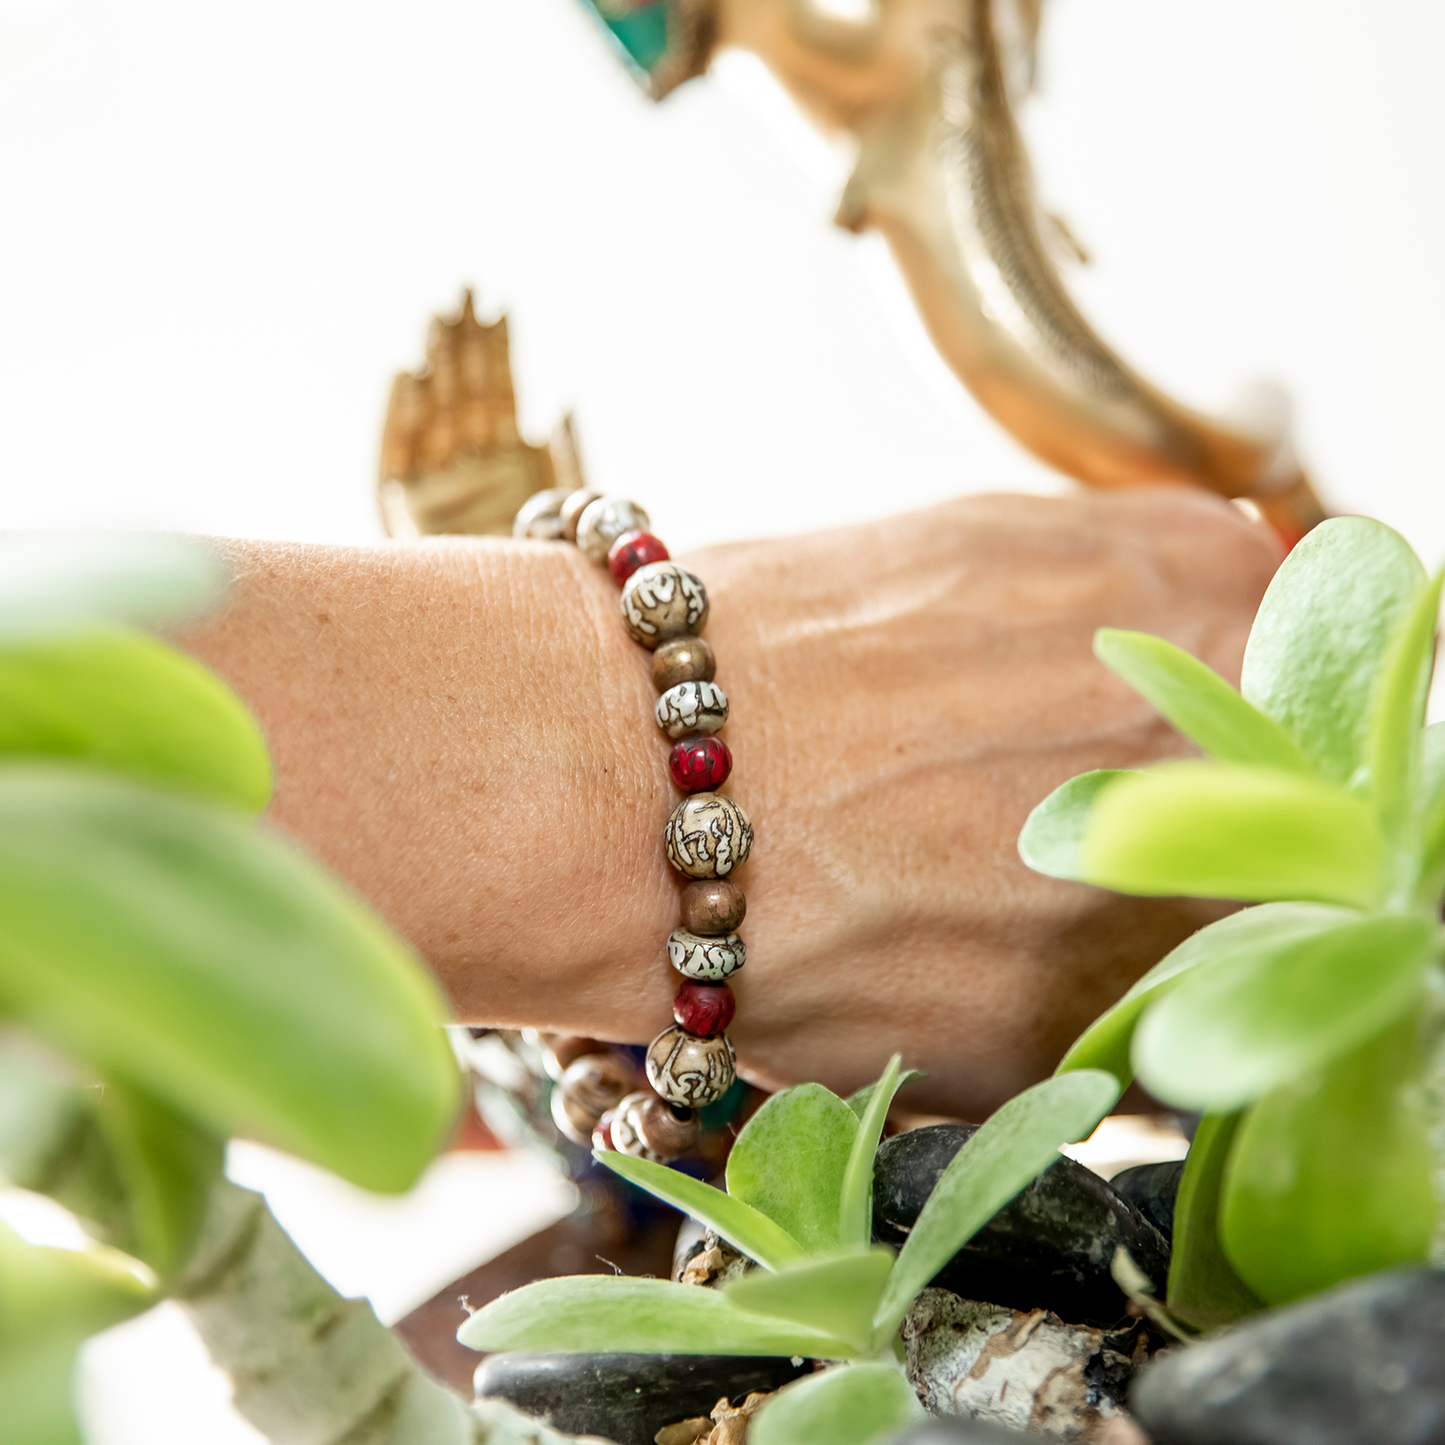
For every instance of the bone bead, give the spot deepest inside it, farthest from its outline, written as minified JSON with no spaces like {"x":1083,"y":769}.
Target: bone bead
{"x":602,"y":522}
{"x":626,"y":1133}
{"x":588,"y":1088}
{"x":692,"y":707}
{"x":710,"y":959}
{"x":577,"y":502}
{"x":662,"y":600}
{"x":713,"y":906}
{"x":708,"y":836}
{"x":540,"y":517}
{"x":687,"y":1070}
{"x":683,"y":659}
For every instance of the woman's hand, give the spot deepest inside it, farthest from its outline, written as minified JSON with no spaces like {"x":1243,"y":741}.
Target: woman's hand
{"x":463,"y":730}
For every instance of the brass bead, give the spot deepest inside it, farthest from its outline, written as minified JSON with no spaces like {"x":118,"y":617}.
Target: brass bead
{"x":713,"y":907}
{"x":667,"y":1130}
{"x":587,"y":1089}
{"x":682,"y":659}
{"x":688,"y":1070}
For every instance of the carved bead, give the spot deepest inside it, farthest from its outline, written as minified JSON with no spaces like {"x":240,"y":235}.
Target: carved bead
{"x":587,"y":1089}
{"x":631,"y":551}
{"x":708,"y":836}
{"x":667,"y":1130}
{"x":663,"y":600}
{"x":577,"y":502}
{"x":564,"y":1050}
{"x":626,"y":1133}
{"x":713,"y":959}
{"x":602,"y":522}
{"x":540,"y":517}
{"x":704,"y":1009}
{"x":700,"y":764}
{"x":692,"y":707}
{"x":682,"y":659}
{"x":688,"y":1070}
{"x":713,"y":906}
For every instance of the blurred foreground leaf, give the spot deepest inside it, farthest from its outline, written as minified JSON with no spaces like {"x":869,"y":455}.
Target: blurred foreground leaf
{"x":848,"y":1405}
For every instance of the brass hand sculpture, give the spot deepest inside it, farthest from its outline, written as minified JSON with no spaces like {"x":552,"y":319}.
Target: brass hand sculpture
{"x":928,"y":89}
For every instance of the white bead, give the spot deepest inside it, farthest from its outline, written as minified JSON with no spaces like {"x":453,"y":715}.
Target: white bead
{"x":626,"y":1129}
{"x":540,"y":517}
{"x":708,"y":836}
{"x":709,"y":959}
{"x":662,"y":600}
{"x":685,"y":1069}
{"x":602,"y":522}
{"x":692,"y":707}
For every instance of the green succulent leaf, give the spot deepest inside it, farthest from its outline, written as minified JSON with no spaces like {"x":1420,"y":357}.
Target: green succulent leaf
{"x":125,"y":701}
{"x":1322,"y":634}
{"x":635,"y":1316}
{"x":789,"y":1162}
{"x":1016,"y":1143}
{"x":1243,"y":1025}
{"x":855,"y":1203}
{"x":1331,"y":1176}
{"x":57,"y":582}
{"x":1052,"y":840}
{"x":1194,"y":699}
{"x":1397,"y":718}
{"x":1204,"y":1289}
{"x":170,"y":945}
{"x":848,"y":1405}
{"x":1105,"y":1044}
{"x":743,"y":1227}
{"x":836,"y":1295}
{"x":859,"y":1100}
{"x":1217,"y":830}
{"x":1432,"y":866}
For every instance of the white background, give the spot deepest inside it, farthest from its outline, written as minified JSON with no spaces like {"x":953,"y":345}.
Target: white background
{"x":223,"y":227}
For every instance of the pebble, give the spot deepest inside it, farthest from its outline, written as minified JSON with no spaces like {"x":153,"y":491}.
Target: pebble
{"x":1152,"y":1189}
{"x":1048,"y":1248}
{"x":1361,"y":1364}
{"x":626,"y":1398}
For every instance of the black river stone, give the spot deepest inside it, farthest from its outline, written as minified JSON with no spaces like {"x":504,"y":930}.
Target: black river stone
{"x":1048,"y":1248}
{"x":1363,"y":1364}
{"x":627,"y":1398}
{"x":1152,"y":1189}
{"x":953,"y":1430}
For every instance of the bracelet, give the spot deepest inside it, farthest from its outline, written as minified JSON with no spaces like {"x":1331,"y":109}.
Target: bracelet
{"x":692,"y":1063}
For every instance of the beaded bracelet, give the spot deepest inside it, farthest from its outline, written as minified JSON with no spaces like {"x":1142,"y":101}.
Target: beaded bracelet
{"x":690,"y":1064}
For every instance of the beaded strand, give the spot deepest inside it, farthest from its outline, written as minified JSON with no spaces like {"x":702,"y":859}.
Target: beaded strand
{"x":691,"y":1063}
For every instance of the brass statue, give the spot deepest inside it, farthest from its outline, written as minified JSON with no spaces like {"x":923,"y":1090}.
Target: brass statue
{"x":452,"y":459}
{"x":928,"y":90}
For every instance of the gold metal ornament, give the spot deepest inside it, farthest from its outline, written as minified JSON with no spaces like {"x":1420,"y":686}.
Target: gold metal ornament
{"x":452,"y":458}
{"x":928,"y":90}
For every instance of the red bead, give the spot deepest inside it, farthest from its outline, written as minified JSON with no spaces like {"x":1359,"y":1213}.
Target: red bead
{"x":602,"y":1134}
{"x":704,"y":1009}
{"x":700,"y":764}
{"x":633,"y":550}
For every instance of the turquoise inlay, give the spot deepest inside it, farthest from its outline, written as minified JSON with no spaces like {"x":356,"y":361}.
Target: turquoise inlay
{"x":642,"y":33}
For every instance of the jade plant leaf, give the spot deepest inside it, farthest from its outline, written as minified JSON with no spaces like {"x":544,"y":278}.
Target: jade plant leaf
{"x":837,"y":1296}
{"x":1198,"y":702}
{"x":855,"y":1202}
{"x":1204,"y":1289}
{"x":1331,"y":1176}
{"x":789,"y":1162}
{"x":56,"y":582}
{"x":1015,"y":1144}
{"x":1240,"y":1026}
{"x":743,"y":1227}
{"x":169,"y":944}
{"x":1218,"y":830}
{"x":1105,"y":1044}
{"x":1052,"y":840}
{"x":1397,"y":716}
{"x":1321,"y":636}
{"x":635,"y":1316}
{"x":125,"y":701}
{"x":848,"y":1405}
